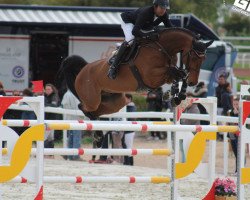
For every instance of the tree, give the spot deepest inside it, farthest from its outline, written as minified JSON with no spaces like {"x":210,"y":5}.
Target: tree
{"x":237,"y":24}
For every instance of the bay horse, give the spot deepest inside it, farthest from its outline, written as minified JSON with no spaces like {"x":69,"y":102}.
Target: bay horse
{"x":155,"y":61}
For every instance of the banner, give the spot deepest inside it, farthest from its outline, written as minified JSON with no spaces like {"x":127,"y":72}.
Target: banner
{"x":14,"y":62}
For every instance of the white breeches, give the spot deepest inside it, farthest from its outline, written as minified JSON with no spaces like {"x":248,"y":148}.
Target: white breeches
{"x":127,"y":30}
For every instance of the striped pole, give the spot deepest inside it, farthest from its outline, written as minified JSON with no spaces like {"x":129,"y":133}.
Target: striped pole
{"x":99,"y":179}
{"x":122,"y":126}
{"x":29,"y":123}
{"x":108,"y":152}
{"x":140,"y":127}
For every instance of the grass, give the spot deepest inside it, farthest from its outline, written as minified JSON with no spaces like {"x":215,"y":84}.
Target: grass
{"x":239,"y":66}
{"x":85,"y":140}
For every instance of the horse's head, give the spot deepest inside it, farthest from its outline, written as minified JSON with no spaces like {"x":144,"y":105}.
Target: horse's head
{"x":193,"y":58}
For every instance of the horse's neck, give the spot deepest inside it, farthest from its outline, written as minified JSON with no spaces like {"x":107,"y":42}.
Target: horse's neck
{"x":175,"y":41}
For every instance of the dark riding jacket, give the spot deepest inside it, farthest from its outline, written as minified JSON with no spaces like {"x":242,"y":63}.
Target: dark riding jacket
{"x":144,"y":19}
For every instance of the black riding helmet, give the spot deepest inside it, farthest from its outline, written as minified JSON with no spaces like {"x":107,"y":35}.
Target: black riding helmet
{"x":162,"y":3}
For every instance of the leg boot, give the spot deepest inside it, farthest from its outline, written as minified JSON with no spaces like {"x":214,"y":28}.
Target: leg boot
{"x":114,"y":68}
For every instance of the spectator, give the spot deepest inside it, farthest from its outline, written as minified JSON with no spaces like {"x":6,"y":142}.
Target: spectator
{"x":111,"y":136}
{"x":28,"y":114}
{"x":128,"y":138}
{"x":201,"y":92}
{"x":154,"y":100}
{"x":234,"y":112}
{"x":103,"y":144}
{"x":117,"y":144}
{"x":226,"y":99}
{"x":192,"y":108}
{"x":51,"y":100}
{"x":2,"y":92}
{"x":219,"y":90}
{"x":14,"y":114}
{"x":245,"y":82}
{"x":69,"y":101}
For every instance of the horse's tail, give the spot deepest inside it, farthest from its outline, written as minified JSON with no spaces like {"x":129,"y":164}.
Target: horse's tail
{"x":69,"y":69}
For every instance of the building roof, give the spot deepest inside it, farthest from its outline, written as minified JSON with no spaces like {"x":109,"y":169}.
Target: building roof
{"x":66,"y":15}
{"x":61,"y":15}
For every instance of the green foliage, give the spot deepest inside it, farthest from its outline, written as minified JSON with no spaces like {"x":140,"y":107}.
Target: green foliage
{"x":237,"y":24}
{"x":140,"y":102}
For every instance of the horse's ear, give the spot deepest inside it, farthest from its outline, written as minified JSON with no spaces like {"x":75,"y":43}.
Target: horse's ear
{"x":209,"y":43}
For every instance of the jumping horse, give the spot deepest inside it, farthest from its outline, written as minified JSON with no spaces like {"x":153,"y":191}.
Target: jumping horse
{"x":153,"y":65}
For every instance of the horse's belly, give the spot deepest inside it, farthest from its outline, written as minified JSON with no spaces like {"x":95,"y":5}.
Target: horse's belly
{"x":154,"y":79}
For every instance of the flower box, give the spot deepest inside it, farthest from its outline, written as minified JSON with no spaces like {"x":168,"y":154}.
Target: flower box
{"x":225,"y":197}
{"x":225,"y":189}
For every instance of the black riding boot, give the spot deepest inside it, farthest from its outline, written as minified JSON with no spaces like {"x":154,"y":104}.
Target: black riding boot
{"x":114,"y":68}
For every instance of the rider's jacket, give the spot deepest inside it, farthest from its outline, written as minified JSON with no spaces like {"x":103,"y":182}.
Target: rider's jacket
{"x":144,"y":19}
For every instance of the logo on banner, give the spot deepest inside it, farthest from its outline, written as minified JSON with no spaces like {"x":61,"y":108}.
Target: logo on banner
{"x":18,"y":73}
{"x":220,"y":71}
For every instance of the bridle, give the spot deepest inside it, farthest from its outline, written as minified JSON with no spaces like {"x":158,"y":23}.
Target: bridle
{"x":197,"y":53}
{"x":178,"y":95}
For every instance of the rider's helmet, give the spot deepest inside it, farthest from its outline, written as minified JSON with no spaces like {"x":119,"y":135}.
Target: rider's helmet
{"x":162,"y":3}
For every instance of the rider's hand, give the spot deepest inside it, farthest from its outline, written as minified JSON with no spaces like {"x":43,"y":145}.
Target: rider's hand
{"x":153,"y":36}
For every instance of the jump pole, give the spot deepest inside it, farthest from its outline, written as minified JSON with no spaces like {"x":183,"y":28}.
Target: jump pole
{"x":140,"y":127}
{"x":243,"y":139}
{"x":99,"y":179}
{"x":174,"y":194}
{"x":108,"y":152}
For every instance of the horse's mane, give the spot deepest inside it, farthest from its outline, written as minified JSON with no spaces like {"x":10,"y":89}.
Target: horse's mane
{"x":180,"y":30}
{"x":198,"y":45}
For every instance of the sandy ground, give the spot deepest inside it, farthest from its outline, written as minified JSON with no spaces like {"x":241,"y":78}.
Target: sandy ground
{"x":192,"y":187}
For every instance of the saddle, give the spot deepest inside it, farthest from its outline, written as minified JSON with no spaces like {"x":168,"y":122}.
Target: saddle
{"x":130,"y":54}
{"x":129,"y":58}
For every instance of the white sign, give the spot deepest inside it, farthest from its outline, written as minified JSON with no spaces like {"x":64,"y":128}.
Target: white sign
{"x":14,"y":62}
{"x":242,"y":6}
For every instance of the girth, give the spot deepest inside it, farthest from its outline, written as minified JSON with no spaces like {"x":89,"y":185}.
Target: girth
{"x":141,"y":85}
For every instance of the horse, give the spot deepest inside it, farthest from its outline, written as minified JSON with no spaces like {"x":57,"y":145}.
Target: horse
{"x":153,"y":65}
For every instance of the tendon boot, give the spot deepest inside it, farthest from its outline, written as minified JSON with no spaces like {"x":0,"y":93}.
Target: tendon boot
{"x":114,"y":68}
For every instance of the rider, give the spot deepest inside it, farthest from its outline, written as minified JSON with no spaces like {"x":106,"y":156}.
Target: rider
{"x":137,"y":24}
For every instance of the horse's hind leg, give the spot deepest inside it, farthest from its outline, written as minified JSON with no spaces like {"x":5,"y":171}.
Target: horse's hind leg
{"x":89,"y":94}
{"x":111,"y":104}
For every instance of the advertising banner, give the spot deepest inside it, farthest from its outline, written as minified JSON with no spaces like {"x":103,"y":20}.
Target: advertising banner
{"x":14,"y":62}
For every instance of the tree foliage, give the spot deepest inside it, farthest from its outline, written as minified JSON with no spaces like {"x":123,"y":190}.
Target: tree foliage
{"x":237,"y":24}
